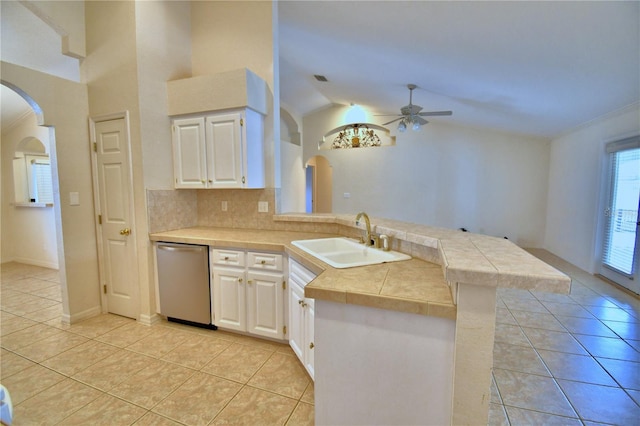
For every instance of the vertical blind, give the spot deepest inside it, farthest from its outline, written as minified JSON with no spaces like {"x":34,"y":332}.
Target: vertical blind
{"x":622,"y":210}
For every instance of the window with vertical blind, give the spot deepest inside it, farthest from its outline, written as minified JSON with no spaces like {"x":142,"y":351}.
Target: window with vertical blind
{"x":621,"y":212}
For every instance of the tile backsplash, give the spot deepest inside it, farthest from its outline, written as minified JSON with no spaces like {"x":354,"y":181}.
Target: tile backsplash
{"x":183,"y":208}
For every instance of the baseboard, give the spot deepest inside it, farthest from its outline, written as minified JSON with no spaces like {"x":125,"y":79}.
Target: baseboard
{"x":148,"y":319}
{"x":72,"y":319}
{"x":34,"y":262}
{"x":618,"y":286}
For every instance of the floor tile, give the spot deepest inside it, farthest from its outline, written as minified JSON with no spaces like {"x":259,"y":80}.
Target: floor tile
{"x":160,"y":342}
{"x":567,"y":309}
{"x":15,"y":323}
{"x":80,"y":357}
{"x":497,"y":415}
{"x":531,"y":305}
{"x":11,"y":363}
{"x":507,"y":333}
{"x":255,"y":406}
{"x":537,"y":320}
{"x":114,"y":369}
{"x":282,"y":374}
{"x":634,"y":394}
{"x":611,"y":314}
{"x":99,"y":325}
{"x":28,"y":336}
{"x":521,"y":417}
{"x":46,"y":314}
{"x":579,"y":368}
{"x":601,"y":403}
{"x":495,"y":395}
{"x":152,"y":384}
{"x":303,"y":415}
{"x":198,"y":400}
{"x":554,"y":341}
{"x":153,"y":419}
{"x":197,"y":351}
{"x":626,"y":330}
{"x":518,"y":358}
{"x":590,"y":326}
{"x":626,"y":373}
{"x":605,"y":347}
{"x":51,"y":346}
{"x":504,"y":316}
{"x":53,"y":405}
{"x":105,"y":411}
{"x":309,"y":394}
{"x":29,"y":382}
{"x":126,"y":334}
{"x":237,"y":362}
{"x":532,"y":392}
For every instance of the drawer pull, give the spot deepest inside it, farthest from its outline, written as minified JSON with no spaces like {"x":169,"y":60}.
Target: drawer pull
{"x":262,"y":262}
{"x":226,"y":258}
{"x":249,"y":281}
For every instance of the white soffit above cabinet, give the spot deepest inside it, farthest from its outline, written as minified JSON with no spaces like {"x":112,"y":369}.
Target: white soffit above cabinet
{"x":229,"y":90}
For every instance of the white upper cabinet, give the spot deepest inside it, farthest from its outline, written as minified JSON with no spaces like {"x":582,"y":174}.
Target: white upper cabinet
{"x":219,"y":150}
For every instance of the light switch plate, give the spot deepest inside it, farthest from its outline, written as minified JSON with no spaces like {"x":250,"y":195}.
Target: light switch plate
{"x":263,"y":206}
{"x":224,"y":206}
{"x":74,"y":198}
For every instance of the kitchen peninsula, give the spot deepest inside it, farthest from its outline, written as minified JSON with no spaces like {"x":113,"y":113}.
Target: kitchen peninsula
{"x":404,"y":342}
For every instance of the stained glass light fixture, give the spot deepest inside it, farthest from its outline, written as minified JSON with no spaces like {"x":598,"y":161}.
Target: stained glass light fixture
{"x":356,"y":136}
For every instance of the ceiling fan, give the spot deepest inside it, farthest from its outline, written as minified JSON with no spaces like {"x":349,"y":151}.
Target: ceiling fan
{"x":410,"y":114}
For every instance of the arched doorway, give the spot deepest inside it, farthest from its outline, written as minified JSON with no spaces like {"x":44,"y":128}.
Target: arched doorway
{"x":319,"y":185}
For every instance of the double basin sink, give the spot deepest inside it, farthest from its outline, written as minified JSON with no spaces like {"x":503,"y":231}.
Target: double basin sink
{"x":347,"y":253}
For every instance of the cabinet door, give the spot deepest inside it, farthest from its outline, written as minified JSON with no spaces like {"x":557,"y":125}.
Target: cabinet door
{"x":308,"y":334}
{"x":296,"y":319}
{"x":265,"y":298}
{"x":229,"y":299}
{"x":189,"y":156}
{"x":224,"y":151}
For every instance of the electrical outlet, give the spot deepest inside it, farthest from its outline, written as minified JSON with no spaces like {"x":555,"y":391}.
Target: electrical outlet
{"x":263,"y":206}
{"x":346,"y":195}
{"x":224,"y":206}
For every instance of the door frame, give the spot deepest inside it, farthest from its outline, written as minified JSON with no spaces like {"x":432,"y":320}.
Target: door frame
{"x":124,"y":115}
{"x":603,"y":202}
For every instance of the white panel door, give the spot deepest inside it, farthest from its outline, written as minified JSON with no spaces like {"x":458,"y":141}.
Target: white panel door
{"x":265,"y":299}
{"x":224,"y":151}
{"x":115,"y":207}
{"x":189,"y":153}
{"x":229,"y":299}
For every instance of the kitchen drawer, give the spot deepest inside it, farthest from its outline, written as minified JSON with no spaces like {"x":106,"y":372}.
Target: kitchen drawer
{"x":265,"y":261}
{"x":228,"y":257}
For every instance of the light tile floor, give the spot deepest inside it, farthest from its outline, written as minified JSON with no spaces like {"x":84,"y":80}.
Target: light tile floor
{"x":566,"y":359}
{"x":558,"y":359}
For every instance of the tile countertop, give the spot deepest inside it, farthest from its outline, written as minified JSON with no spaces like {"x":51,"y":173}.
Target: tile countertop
{"x":414,"y":286}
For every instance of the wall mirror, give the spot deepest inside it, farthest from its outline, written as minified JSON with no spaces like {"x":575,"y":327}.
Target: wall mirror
{"x":32,"y":174}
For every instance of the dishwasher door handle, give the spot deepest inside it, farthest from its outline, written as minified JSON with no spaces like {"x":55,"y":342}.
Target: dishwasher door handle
{"x":174,"y":248}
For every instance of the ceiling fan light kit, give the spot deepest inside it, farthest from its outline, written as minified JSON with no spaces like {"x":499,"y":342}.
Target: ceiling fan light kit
{"x":411,"y":115}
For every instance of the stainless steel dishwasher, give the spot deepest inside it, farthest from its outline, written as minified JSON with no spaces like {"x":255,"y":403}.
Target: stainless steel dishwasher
{"x":183,"y":281}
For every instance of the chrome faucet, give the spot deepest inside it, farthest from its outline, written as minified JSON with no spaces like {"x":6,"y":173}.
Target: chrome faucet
{"x":367,"y":240}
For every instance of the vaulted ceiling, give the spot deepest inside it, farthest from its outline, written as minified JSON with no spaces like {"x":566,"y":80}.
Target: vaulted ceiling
{"x":537,"y":68}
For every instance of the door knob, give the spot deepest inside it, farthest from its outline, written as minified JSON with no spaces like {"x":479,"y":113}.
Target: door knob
{"x":125,"y":231}
{"x":311,"y":345}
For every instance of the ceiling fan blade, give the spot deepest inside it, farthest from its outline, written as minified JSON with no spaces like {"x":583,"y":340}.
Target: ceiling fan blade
{"x":420,"y":120}
{"x":435,"y":113}
{"x":387,"y":115}
{"x":393,"y":121}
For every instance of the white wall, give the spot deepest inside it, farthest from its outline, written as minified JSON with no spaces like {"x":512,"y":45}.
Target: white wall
{"x":575,"y":176}
{"x":28,"y":233}
{"x":448,"y":176}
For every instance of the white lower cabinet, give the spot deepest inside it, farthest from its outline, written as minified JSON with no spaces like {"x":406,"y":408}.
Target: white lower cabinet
{"x":248,"y":292}
{"x":301,"y":315}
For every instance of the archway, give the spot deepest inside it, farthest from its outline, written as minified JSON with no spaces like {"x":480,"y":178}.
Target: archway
{"x":319,"y":185}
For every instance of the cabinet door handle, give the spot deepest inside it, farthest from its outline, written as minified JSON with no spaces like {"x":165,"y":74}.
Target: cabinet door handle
{"x":311,"y":345}
{"x":239,"y":280}
{"x":249,"y":281}
{"x":300,"y":302}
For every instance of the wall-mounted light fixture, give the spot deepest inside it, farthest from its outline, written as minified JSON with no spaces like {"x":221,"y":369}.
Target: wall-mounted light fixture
{"x":356,"y":135}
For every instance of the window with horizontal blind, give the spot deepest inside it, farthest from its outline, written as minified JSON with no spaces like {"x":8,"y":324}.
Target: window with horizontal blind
{"x":621,"y":213}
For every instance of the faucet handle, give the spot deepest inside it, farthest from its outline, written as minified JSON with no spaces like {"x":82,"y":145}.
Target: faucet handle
{"x":376,"y":241}
{"x":384,"y":239}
